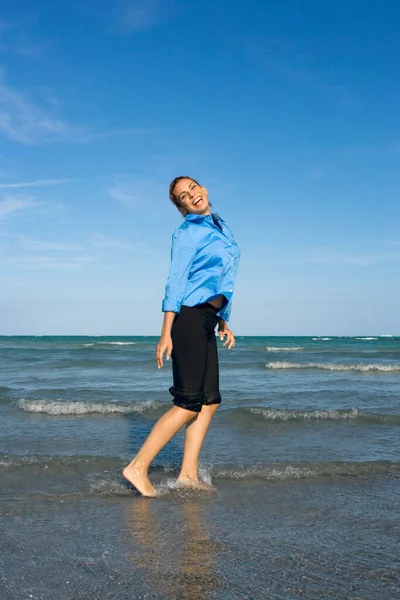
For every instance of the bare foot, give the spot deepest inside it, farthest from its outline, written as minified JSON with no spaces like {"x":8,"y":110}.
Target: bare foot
{"x":139,"y":479}
{"x":194,"y":483}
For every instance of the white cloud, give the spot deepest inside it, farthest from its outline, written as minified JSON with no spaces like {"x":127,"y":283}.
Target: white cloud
{"x":43,"y":262}
{"x":14,"y":39}
{"x":13,"y":204}
{"x":21,"y":120}
{"x":283,"y":60}
{"x":34,"y":244}
{"x":101,"y":241}
{"x":27,"y":122}
{"x":37,"y":183}
{"x":135,"y":193}
{"x":319,"y":257}
{"x":137,"y":15}
{"x":392,"y":147}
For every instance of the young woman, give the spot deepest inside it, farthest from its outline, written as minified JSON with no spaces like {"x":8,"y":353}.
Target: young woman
{"x":198,"y":296}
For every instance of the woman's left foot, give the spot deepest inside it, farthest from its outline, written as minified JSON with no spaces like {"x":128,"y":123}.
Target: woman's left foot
{"x":140,"y":480}
{"x":194,"y":483}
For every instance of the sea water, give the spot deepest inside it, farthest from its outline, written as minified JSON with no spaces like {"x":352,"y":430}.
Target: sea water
{"x":304,"y":455}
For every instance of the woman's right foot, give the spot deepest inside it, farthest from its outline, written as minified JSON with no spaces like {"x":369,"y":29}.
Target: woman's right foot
{"x":194,"y":483}
{"x":139,"y":479}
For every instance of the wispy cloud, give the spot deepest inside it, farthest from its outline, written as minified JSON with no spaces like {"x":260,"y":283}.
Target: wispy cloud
{"x":104,"y":242}
{"x":136,"y":193}
{"x":330,"y":257}
{"x":21,"y":120}
{"x":282,"y":60}
{"x":124,"y":17}
{"x":29,"y":243}
{"x":36,"y":183}
{"x":27,"y":122}
{"x":41,"y":262}
{"x":319,"y":173}
{"x":24,"y":46}
{"x":137,"y":15}
{"x":13,"y":39}
{"x":107,"y":133}
{"x":13,"y":204}
{"x":392,"y":147}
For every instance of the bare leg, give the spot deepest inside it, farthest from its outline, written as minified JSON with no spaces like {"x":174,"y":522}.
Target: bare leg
{"x":163,"y":431}
{"x":195,"y":434}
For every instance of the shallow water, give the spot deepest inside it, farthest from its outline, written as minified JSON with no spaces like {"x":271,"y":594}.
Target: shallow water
{"x":304,"y":454}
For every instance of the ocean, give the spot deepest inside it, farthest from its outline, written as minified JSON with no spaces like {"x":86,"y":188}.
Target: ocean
{"x":304,"y":455}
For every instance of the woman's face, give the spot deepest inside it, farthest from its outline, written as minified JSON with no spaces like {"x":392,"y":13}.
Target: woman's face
{"x":192,"y":197}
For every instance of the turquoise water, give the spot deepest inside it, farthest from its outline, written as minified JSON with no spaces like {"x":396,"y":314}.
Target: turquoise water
{"x":304,"y":454}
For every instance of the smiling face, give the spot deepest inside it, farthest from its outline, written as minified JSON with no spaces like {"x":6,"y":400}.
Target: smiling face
{"x":191,"y":197}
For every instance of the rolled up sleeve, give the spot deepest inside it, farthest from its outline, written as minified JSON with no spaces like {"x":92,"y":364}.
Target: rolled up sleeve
{"x":183,"y":251}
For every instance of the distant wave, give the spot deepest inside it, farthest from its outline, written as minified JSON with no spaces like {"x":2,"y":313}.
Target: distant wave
{"x":323,"y":339}
{"x":89,"y":345}
{"x":110,"y":481}
{"x":284,"y":348}
{"x":306,"y":470}
{"x":268,"y":472}
{"x":362,"y":368}
{"x":93,"y":463}
{"x":51,"y":407}
{"x":347,"y":414}
{"x":367,"y":338}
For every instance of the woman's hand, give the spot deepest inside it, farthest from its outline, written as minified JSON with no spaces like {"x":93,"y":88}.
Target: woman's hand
{"x":164,"y":345}
{"x":223,"y":330}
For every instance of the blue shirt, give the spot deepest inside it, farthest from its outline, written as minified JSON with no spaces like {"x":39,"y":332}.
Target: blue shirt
{"x":204,"y":262}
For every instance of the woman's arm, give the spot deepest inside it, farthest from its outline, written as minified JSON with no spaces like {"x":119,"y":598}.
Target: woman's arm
{"x":165,"y":343}
{"x":223,"y":330}
{"x":183,"y":252}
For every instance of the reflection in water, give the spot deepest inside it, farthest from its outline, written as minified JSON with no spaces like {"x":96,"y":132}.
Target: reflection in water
{"x":172,"y":546}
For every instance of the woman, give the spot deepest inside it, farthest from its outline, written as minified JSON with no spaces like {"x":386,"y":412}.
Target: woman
{"x":204,"y":261}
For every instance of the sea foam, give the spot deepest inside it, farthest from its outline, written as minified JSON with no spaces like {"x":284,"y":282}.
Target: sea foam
{"x":362,"y":368}
{"x":306,"y":470}
{"x":284,"y":348}
{"x":347,"y":414}
{"x":51,"y":407}
{"x":91,"y":344}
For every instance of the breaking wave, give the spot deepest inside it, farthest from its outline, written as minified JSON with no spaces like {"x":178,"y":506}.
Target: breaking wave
{"x":284,"y":348}
{"x":104,"y":478}
{"x":362,"y":368}
{"x":306,"y":470}
{"x":55,"y":408}
{"x":347,"y":414}
{"x":91,"y":344}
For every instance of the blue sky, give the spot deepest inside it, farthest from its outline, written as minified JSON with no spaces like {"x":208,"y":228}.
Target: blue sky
{"x":287,"y":112}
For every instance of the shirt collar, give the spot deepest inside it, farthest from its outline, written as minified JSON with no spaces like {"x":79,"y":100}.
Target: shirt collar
{"x":193,"y":217}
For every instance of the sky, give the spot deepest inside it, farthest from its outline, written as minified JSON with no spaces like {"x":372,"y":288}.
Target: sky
{"x":288,"y":113}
